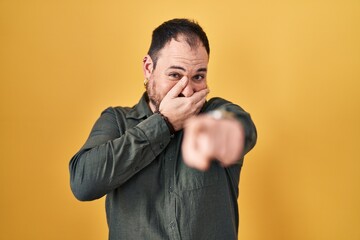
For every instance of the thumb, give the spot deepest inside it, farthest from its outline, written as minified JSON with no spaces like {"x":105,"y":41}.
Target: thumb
{"x":177,"y":89}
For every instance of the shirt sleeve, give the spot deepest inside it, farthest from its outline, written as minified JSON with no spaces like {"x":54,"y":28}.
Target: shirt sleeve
{"x":112,"y":155}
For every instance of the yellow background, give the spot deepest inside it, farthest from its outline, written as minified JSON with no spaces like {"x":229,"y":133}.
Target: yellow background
{"x":294,"y":65}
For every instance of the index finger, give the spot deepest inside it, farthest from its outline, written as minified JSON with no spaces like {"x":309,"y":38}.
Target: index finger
{"x":177,"y":88}
{"x":195,"y":145}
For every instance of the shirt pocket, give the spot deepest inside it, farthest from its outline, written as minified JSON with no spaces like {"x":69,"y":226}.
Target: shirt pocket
{"x":191,"y":179}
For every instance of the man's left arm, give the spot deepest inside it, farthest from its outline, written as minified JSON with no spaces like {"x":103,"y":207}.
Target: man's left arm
{"x":226,"y":134}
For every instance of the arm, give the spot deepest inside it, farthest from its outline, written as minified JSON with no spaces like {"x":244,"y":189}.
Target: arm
{"x":113,"y":154}
{"x":226,"y":137}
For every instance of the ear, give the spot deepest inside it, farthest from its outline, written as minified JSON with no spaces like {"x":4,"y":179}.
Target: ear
{"x":147,"y":66}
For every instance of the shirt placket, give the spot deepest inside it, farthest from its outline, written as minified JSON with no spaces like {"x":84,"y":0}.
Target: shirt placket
{"x":170,"y":191}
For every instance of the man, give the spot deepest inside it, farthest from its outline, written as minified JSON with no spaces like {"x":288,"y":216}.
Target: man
{"x":170,"y":165}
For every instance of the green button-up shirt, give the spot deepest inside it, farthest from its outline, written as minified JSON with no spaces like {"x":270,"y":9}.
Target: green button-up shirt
{"x":131,"y":157}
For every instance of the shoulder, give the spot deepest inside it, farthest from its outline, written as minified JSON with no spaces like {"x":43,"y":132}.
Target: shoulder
{"x":215,"y":103}
{"x":112,"y":119}
{"x":113,"y":113}
{"x":117,"y":111}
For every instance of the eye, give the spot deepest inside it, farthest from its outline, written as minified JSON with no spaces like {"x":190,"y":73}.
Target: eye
{"x":174,"y":76}
{"x":198,"y":77}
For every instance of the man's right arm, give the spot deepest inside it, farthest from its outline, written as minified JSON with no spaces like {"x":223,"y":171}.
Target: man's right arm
{"x":112,"y":155}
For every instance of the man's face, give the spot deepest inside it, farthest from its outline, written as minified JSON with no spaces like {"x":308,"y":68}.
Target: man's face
{"x":175,"y":61}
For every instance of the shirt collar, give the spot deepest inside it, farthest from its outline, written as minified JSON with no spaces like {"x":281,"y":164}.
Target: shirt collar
{"x":141,"y":109}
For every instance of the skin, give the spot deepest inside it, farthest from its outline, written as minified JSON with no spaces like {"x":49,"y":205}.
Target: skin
{"x":177,"y":87}
{"x":206,"y":139}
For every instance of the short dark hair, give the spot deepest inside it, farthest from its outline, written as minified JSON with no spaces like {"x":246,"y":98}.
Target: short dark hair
{"x":171,"y":29}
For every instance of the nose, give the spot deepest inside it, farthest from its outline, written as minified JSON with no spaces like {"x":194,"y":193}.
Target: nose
{"x":188,"y":91}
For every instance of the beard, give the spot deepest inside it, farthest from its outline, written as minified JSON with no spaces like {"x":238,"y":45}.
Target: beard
{"x":154,"y":98}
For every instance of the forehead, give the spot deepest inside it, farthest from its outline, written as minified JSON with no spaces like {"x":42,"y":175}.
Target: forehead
{"x":179,"y":50}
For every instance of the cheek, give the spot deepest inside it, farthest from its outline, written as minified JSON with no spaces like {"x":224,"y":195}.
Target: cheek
{"x":200,"y":86}
{"x":163,"y":86}
{"x":168,"y":86}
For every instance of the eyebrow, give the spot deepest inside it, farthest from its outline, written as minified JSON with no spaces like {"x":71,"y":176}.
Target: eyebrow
{"x":183,"y":69}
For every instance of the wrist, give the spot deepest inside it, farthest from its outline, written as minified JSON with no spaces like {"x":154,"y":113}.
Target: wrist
{"x":168,"y":123}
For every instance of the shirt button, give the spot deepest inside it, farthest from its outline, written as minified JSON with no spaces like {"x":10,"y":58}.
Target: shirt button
{"x":172,"y":225}
{"x":161,"y":145}
{"x":171,"y":189}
